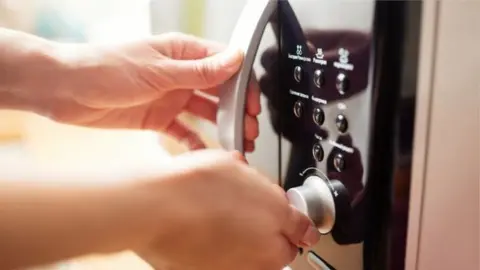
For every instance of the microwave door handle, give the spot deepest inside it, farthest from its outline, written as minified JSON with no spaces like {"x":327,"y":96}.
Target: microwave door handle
{"x":246,"y":36}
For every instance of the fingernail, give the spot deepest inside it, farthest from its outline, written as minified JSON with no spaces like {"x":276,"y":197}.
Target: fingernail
{"x":311,"y":237}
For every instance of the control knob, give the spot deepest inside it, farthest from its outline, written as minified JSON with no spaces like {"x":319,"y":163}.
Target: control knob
{"x":322,"y":200}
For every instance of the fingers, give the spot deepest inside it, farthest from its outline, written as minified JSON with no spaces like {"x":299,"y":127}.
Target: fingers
{"x":253,"y":97}
{"x":152,"y":116}
{"x":299,"y":229}
{"x":203,"y":73}
{"x":249,"y":146}
{"x":206,"y":108}
{"x":251,"y":130}
{"x":203,"y":107}
{"x":181,"y":46}
{"x":149,"y":117}
{"x":184,"y":134}
{"x":253,"y":106}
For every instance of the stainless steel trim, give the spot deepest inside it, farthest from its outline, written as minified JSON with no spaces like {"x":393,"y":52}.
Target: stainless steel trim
{"x":422,"y":119}
{"x":246,"y":36}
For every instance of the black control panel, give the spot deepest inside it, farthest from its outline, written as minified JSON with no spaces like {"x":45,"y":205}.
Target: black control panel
{"x":323,"y":111}
{"x":338,"y":96}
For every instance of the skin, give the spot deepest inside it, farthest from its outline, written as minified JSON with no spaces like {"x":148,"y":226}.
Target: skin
{"x":207,"y":209}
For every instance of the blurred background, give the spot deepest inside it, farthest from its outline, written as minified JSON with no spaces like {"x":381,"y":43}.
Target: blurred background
{"x":31,"y":145}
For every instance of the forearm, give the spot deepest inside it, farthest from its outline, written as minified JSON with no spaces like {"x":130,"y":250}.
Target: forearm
{"x":41,"y":224}
{"x":29,"y":65}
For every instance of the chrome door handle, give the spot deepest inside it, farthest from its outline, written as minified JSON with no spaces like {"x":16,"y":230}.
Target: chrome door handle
{"x":246,"y":37}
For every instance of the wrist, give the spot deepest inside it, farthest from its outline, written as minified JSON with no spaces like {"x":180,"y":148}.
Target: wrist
{"x":136,"y":217}
{"x":162,"y":213}
{"x":30,"y":69}
{"x":55,"y":222}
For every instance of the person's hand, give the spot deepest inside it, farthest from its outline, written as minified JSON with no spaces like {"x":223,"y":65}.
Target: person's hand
{"x":145,"y":85}
{"x":218,"y":213}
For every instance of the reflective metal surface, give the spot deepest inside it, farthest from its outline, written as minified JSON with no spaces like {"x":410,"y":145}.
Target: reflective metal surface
{"x":338,"y":100}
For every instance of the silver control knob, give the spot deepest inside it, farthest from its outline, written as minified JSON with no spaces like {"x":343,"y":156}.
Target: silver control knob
{"x":315,"y":199}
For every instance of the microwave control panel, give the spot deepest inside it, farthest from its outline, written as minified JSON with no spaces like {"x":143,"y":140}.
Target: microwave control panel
{"x":325,"y":104}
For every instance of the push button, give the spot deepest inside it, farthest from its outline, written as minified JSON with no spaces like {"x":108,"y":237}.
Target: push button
{"x":339,"y":162}
{"x":317,"y":152}
{"x":298,"y":74}
{"x":318,"y":116}
{"x":298,"y":109}
{"x":342,"y":83}
{"x":318,"y":78}
{"x":342,"y":123}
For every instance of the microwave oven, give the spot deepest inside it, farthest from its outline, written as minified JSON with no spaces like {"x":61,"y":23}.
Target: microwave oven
{"x":350,"y":124}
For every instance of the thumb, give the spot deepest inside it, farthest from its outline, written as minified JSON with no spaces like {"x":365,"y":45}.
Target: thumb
{"x":300,"y":230}
{"x":206,"y":72}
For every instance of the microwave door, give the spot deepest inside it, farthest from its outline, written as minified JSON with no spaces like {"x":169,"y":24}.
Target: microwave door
{"x":314,"y":71}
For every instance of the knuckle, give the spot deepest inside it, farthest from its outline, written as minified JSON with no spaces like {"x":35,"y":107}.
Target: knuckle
{"x":202,"y":72}
{"x":205,"y":72}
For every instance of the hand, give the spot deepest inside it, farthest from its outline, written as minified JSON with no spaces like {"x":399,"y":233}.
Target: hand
{"x":222,"y":214}
{"x":146,"y":85}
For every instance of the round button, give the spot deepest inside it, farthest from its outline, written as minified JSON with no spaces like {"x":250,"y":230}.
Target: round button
{"x":339,"y":162}
{"x":298,"y":109}
{"x":317,"y":152}
{"x":342,"y":123}
{"x":342,"y":83}
{"x":318,"y":116}
{"x":315,"y":199}
{"x":298,"y":73}
{"x":318,"y":78}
